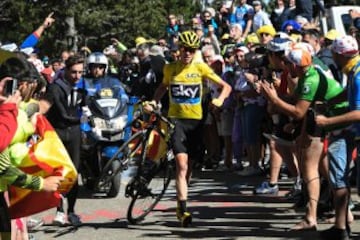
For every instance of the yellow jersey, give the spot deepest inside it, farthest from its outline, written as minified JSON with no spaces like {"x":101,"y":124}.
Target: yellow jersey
{"x":185,"y":84}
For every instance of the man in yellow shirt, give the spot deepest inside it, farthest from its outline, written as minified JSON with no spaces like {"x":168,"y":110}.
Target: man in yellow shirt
{"x":183,"y":80}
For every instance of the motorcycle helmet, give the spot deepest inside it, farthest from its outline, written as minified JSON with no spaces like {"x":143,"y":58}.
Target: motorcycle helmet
{"x":98,"y":58}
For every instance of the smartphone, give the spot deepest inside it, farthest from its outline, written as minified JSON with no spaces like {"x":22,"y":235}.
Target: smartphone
{"x":10,"y":87}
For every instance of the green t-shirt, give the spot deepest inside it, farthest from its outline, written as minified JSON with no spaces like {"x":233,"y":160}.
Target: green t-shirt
{"x":316,"y":86}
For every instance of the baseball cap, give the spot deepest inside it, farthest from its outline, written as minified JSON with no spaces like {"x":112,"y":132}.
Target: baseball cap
{"x":304,"y":46}
{"x":240,"y":47}
{"x":345,"y":45}
{"x":279,"y":44}
{"x":269,"y":29}
{"x":299,"y":57}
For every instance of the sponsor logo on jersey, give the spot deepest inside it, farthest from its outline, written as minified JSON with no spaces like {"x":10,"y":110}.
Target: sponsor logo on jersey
{"x":192,"y":75}
{"x":183,"y":93}
{"x":306,"y":89}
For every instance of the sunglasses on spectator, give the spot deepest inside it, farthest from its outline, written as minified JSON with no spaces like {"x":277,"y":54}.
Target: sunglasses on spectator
{"x":207,"y":16}
{"x":264,"y":34}
{"x":188,"y":49}
{"x":206,"y":43}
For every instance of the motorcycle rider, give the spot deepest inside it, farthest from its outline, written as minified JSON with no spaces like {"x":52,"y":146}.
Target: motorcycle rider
{"x":97,"y":83}
{"x":97,"y":78}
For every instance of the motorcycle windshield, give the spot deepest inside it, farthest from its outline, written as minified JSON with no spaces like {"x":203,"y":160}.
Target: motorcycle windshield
{"x":108,"y":108}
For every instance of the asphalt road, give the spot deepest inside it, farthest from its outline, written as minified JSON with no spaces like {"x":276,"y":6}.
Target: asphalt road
{"x":222,"y":204}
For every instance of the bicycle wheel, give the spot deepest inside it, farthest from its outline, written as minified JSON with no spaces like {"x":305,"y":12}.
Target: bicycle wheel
{"x":150,"y":186}
{"x":129,"y":154}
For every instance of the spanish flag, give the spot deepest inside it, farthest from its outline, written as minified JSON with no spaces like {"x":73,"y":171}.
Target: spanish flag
{"x":47,"y":157}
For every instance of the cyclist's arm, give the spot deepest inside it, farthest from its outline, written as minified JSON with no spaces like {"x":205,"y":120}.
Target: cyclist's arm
{"x":225,"y":90}
{"x":160,"y":91}
{"x":211,"y":75}
{"x":163,"y":87}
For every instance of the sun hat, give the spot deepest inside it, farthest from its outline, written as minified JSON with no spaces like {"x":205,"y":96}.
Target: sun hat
{"x":252,"y":38}
{"x":269,"y":29}
{"x":140,"y":40}
{"x":332,"y":34}
{"x":156,"y":50}
{"x":295,"y":25}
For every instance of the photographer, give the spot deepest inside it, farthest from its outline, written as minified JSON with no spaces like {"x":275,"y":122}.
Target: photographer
{"x":11,"y":93}
{"x":280,"y":139}
{"x":251,"y":107}
{"x":8,"y":113}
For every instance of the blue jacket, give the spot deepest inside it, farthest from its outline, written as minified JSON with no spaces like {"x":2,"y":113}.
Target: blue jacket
{"x":92,"y":86}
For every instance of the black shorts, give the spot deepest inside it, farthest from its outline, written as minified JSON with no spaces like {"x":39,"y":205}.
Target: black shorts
{"x":5,"y":222}
{"x":187,"y":137}
{"x":311,"y":127}
{"x":279,"y":129}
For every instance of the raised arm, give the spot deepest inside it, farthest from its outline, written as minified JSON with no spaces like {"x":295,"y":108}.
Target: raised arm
{"x":33,"y":38}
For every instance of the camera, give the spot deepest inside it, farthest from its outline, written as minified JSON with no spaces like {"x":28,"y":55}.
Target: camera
{"x":257,"y":64}
{"x":10,"y":87}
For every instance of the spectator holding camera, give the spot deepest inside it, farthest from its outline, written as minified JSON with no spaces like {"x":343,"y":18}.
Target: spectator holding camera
{"x":311,"y":81}
{"x":280,"y":140}
{"x":10,"y":114}
{"x":251,"y":109}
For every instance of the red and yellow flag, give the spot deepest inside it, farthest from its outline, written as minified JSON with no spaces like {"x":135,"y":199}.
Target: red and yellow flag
{"x":48,"y":157}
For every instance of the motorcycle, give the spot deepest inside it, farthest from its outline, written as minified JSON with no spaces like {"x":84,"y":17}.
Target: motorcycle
{"x":104,"y":125}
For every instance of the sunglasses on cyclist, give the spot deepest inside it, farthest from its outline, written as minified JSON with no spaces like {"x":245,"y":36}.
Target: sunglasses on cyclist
{"x":188,"y":49}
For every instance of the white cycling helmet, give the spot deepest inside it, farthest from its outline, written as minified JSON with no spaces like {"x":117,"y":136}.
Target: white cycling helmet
{"x":97,"y":58}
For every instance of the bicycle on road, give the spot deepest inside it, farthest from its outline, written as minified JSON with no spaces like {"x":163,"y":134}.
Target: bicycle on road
{"x":149,"y":151}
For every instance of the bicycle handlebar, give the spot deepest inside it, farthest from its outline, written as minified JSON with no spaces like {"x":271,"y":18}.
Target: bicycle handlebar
{"x":157,"y":114}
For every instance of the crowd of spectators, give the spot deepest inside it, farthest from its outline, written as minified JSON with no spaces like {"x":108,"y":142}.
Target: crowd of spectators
{"x":252,"y":134}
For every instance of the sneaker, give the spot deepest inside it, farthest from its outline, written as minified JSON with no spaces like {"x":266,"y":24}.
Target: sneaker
{"x":334,"y":233}
{"x":293,"y":195}
{"x":265,"y":188}
{"x":250,"y":171}
{"x":185,"y":218}
{"x":33,"y":224}
{"x":224,"y":168}
{"x":59,"y":219}
{"x":74,"y":219}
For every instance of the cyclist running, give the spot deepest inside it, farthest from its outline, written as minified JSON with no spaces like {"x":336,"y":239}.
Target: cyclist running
{"x":183,"y":80}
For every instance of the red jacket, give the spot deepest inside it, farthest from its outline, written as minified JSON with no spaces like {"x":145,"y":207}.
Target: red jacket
{"x":8,"y":123}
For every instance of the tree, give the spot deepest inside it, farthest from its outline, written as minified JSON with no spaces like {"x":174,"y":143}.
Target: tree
{"x":96,"y":21}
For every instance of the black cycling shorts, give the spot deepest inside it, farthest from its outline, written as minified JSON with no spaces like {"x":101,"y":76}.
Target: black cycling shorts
{"x":5,"y":222}
{"x":187,"y":137}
